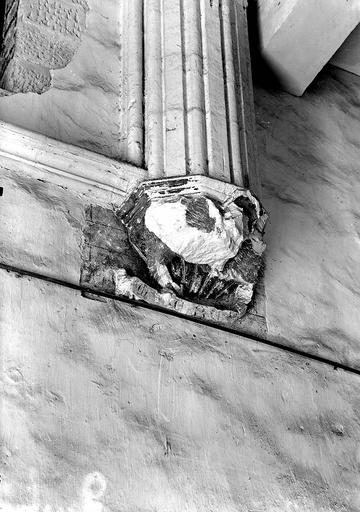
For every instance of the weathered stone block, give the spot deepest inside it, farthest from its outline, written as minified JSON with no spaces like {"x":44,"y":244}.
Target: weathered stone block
{"x":62,"y":17}
{"x":201,"y":239}
{"x":299,"y":37}
{"x":38,"y":36}
{"x":36,"y":46}
{"x":21,"y":76}
{"x":7,"y":38}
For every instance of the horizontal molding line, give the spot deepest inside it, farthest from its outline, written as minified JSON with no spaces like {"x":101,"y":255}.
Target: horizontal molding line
{"x":66,"y":174}
{"x":139,"y":304}
{"x":68,"y":161}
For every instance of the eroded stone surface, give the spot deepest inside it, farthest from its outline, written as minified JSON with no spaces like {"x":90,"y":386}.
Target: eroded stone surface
{"x":39,"y":36}
{"x":110,"y":264}
{"x":204,"y":247}
{"x":83,"y":104}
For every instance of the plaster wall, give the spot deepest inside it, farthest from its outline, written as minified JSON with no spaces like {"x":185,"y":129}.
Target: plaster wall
{"x":109,"y":407}
{"x":84,"y":100}
{"x":164,"y":85}
{"x":309,"y":154}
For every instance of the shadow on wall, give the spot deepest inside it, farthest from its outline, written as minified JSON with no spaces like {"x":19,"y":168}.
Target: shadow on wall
{"x":262,"y":72}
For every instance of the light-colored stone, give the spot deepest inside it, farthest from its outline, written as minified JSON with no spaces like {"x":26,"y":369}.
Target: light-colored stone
{"x":298,"y":37}
{"x":47,"y":186}
{"x":65,"y":162}
{"x":348,"y":55}
{"x":87,"y":104}
{"x":309,"y":153}
{"x":41,"y":35}
{"x":106,"y":407}
{"x":163,"y":85}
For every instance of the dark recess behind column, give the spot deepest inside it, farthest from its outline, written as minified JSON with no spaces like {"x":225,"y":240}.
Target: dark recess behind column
{"x":263,"y":75}
{"x":2,"y":17}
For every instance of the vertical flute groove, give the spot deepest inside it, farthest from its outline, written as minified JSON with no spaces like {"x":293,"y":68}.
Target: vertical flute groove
{"x":163,"y":86}
{"x":185,"y":88}
{"x":135,"y":83}
{"x":154,"y":101}
{"x":241,"y":102}
{"x":226,"y":92}
{"x":123,"y":129}
{"x":205,"y":78}
{"x":232,"y":84}
{"x":246,"y":113}
{"x":194,"y":82}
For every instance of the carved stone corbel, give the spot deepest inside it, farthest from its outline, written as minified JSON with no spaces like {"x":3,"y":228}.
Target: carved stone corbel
{"x":201,"y":240}
{"x":190,"y":238}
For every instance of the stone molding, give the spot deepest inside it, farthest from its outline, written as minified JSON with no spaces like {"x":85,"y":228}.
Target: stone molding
{"x":185,"y":103}
{"x":88,"y":180}
{"x":199,"y":112}
{"x":65,"y":161}
{"x":39,"y":36}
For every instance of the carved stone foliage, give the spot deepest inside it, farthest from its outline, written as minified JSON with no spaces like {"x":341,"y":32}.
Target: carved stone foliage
{"x":201,"y":241}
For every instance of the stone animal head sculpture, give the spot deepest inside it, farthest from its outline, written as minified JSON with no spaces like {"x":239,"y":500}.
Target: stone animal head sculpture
{"x":200,"y":238}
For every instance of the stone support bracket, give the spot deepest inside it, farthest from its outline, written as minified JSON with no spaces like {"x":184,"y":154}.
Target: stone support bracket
{"x":201,"y":241}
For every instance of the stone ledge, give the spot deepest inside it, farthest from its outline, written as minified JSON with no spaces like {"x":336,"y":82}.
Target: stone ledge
{"x":65,"y":160}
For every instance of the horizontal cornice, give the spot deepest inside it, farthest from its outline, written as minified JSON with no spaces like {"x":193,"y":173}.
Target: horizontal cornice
{"x":67,"y":161}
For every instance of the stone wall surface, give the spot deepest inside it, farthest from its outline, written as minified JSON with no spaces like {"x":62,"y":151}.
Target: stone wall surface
{"x":42,"y":35}
{"x":83,"y":105}
{"x":163,"y":85}
{"x":309,"y":157}
{"x":109,"y":407}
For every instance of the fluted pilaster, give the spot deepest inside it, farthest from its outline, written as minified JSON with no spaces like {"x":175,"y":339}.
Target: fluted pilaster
{"x":189,"y":59}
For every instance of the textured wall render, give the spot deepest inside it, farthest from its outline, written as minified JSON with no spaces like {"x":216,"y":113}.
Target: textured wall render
{"x":107,"y":407}
{"x":44,"y":36}
{"x":310,"y":155}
